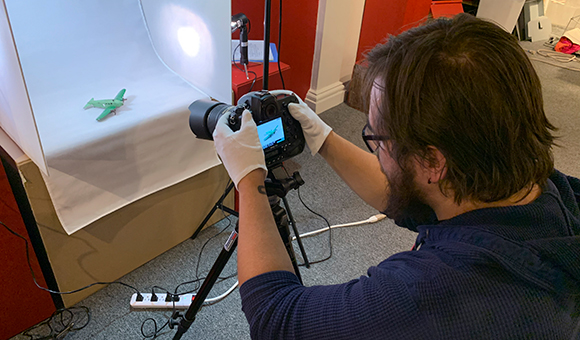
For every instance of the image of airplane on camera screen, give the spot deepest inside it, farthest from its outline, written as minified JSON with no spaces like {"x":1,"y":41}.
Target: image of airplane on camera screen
{"x":271,"y":132}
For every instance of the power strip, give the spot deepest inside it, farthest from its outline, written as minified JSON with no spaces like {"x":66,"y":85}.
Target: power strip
{"x":183,"y":303}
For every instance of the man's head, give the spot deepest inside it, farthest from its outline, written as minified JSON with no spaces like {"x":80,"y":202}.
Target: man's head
{"x":461,"y":96}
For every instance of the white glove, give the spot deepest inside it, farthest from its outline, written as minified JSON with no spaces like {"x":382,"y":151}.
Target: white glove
{"x":315,"y":130}
{"x":240,"y":151}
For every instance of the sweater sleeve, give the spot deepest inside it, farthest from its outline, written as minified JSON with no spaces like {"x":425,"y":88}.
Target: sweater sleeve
{"x":277,"y":306}
{"x":569,"y":190}
{"x":575,"y":184}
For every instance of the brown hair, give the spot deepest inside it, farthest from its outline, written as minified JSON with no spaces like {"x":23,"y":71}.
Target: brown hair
{"x":465,"y":86}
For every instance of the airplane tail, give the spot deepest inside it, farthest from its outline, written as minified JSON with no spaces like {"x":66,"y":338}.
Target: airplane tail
{"x":89,"y":104}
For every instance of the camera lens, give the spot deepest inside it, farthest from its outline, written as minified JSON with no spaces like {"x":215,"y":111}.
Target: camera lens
{"x":204,"y":117}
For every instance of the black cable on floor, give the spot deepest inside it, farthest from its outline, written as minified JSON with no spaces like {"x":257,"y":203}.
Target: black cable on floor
{"x":156,"y":332}
{"x":60,"y":323}
{"x":329,"y":231}
{"x":52,"y":291}
{"x":59,"y":332}
{"x":319,"y":215}
{"x":211,"y":238}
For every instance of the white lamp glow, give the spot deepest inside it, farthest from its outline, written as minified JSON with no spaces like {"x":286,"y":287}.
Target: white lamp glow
{"x":189,"y":40}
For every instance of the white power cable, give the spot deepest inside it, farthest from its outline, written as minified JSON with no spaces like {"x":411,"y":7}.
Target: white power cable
{"x":556,"y":64}
{"x":560,"y":59}
{"x":558,"y":56}
{"x":372,"y":219}
{"x":221,"y":297}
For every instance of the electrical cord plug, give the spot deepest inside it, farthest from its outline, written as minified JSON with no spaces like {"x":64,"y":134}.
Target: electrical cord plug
{"x":171,"y":297}
{"x":139,"y":297}
{"x":376,"y":218}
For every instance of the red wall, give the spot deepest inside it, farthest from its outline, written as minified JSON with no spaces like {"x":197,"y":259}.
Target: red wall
{"x":298,"y":35}
{"x":382,"y":17}
{"x":23,"y":304}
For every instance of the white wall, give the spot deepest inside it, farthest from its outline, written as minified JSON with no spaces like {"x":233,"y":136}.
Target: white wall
{"x":560,"y":12}
{"x":337,"y":35}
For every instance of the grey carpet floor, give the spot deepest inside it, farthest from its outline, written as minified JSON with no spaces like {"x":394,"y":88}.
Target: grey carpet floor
{"x":353,"y":249}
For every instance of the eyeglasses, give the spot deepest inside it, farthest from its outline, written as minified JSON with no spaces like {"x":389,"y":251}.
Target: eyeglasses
{"x":372,"y":141}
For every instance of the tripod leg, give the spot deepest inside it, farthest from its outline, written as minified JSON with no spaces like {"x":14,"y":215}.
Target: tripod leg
{"x":282,"y":223}
{"x":189,"y":316}
{"x":298,"y":239}
{"x":217,"y":205}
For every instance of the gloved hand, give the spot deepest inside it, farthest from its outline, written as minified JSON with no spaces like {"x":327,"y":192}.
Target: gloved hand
{"x":315,"y":130}
{"x":240,"y":151}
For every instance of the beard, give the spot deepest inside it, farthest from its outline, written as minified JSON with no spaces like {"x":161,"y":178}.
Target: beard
{"x":404,"y":199}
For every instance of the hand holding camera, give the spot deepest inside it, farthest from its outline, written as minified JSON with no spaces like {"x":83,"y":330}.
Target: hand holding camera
{"x":240,"y":151}
{"x":315,"y":130}
{"x":278,"y":123}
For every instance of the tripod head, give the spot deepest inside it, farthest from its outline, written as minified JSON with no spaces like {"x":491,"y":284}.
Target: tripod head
{"x":279,"y":184}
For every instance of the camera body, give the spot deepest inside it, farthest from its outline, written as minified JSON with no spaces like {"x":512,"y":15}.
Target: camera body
{"x":280,"y":134}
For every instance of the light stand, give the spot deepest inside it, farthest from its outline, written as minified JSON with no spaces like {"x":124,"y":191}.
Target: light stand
{"x":267,"y":14}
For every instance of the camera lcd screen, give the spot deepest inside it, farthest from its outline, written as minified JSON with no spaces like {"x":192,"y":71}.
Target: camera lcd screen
{"x":271,"y":132}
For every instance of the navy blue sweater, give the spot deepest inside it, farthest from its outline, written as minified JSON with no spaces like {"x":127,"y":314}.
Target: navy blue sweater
{"x":494,"y":273}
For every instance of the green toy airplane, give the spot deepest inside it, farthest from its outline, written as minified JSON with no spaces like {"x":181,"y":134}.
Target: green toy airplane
{"x":110,"y":105}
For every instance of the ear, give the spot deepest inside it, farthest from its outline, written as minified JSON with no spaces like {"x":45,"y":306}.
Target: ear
{"x":434,"y":164}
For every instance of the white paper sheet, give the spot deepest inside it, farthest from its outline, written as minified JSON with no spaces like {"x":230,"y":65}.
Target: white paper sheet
{"x":255,"y":51}
{"x":503,"y":12}
{"x":92,"y":49}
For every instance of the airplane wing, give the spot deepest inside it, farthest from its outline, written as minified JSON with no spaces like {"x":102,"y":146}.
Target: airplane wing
{"x":105,"y":113}
{"x":120,"y":95}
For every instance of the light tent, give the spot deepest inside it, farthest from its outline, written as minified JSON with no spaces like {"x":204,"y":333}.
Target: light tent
{"x":57,"y":55}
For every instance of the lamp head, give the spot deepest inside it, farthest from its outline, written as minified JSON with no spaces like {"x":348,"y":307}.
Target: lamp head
{"x":239,"y":20}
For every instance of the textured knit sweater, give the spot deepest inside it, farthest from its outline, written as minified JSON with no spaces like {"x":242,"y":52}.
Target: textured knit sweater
{"x":494,"y":273}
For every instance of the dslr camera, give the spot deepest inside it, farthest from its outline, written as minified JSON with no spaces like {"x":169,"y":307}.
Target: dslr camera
{"x":280,"y":134}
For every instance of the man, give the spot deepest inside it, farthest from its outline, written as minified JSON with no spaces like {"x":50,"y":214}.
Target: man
{"x":461,"y":153}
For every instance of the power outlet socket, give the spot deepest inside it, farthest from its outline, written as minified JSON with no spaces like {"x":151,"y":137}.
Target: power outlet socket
{"x":183,"y":303}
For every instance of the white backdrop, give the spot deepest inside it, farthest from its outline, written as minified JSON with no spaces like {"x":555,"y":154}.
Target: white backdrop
{"x":16,"y":117}
{"x":72,"y":51}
